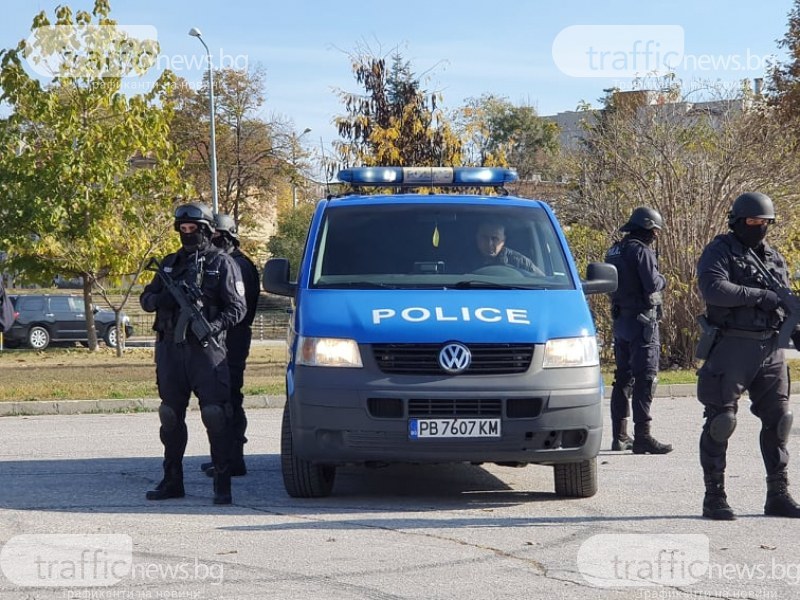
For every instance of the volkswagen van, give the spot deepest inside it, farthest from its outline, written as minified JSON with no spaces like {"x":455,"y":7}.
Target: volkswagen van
{"x":409,"y":344}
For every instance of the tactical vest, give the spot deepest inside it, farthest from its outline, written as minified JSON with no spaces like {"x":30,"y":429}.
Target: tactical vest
{"x":743,"y":272}
{"x":206,"y":274}
{"x":630,"y":294}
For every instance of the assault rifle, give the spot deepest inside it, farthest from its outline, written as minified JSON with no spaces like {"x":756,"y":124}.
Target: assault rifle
{"x":789,"y":301}
{"x":188,"y":297}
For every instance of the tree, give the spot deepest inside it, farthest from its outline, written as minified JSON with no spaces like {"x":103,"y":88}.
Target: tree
{"x":784,"y":78}
{"x":72,"y":197}
{"x":497,"y":132}
{"x":395,"y":122}
{"x":290,"y":236}
{"x":252,"y":154}
{"x":688,"y":160}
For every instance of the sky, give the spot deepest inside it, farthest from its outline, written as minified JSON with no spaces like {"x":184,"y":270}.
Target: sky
{"x":550,"y":55}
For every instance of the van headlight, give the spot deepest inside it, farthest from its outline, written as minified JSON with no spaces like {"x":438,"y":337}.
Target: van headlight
{"x":571,"y":352}
{"x":327,"y":352}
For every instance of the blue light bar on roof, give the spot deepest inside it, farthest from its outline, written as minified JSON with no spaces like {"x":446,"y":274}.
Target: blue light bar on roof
{"x":428,"y":176}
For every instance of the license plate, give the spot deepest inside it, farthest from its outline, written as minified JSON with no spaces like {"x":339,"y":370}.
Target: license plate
{"x":453,"y":428}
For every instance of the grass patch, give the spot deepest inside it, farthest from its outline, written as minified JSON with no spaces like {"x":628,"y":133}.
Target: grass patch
{"x":690,"y":375}
{"x":78,"y":374}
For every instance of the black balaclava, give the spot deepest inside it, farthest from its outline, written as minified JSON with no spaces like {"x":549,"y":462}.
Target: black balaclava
{"x":223,"y":242}
{"x":645,"y":235}
{"x":750,"y":235}
{"x":196,"y":240}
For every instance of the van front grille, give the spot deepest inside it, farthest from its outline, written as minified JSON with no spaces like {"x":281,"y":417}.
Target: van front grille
{"x":423,"y":359}
{"x":455,"y":407}
{"x":394,"y":408}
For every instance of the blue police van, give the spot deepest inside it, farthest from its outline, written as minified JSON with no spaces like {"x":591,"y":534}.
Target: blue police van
{"x":438,"y":327}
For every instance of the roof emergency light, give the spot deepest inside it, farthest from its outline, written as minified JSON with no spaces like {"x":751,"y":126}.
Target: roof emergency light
{"x":427,"y":176}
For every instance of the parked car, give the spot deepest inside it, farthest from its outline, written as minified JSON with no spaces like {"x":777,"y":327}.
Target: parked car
{"x":44,"y":318}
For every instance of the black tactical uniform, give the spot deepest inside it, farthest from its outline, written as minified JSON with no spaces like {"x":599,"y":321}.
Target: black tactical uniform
{"x":744,"y":355}
{"x":198,"y":366}
{"x":635,"y":308}
{"x":238,"y":340}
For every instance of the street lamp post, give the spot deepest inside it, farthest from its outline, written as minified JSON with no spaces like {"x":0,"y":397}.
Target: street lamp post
{"x":295,"y":141}
{"x":194,"y":32}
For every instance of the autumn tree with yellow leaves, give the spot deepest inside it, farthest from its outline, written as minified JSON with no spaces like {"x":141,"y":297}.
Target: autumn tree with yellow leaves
{"x":394,"y":121}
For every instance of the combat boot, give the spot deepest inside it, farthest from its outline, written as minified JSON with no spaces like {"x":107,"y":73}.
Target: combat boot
{"x":621,"y":439}
{"x":237,"y":469}
{"x":779,"y":502}
{"x":715,"y":502}
{"x":644,"y":443}
{"x":169,"y":487}
{"x":222,"y":487}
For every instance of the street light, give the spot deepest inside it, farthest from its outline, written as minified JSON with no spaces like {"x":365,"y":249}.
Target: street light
{"x":194,"y":32}
{"x":294,"y":165}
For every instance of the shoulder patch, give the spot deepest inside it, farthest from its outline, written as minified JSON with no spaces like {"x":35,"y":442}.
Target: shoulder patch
{"x":240,"y":288}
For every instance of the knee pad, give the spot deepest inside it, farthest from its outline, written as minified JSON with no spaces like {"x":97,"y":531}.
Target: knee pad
{"x":722,"y":425}
{"x":214,"y":418}
{"x":168,"y":417}
{"x":784,"y":427}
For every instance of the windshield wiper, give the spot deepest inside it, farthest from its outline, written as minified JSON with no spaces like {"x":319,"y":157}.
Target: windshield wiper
{"x":488,"y":285}
{"x":370,"y":285}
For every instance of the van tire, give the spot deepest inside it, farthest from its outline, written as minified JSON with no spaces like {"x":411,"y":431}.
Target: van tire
{"x":302,"y":478}
{"x":576,"y":480}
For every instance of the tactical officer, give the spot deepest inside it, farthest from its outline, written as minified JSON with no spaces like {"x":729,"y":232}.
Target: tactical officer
{"x":744,"y":354}
{"x":226,"y":238}
{"x":214,"y":284}
{"x":636,"y":309}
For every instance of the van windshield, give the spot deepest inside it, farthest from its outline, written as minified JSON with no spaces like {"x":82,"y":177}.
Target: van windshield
{"x":415,"y":246}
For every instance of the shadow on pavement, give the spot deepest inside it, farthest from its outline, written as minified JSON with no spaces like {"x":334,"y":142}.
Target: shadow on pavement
{"x":118,"y":485}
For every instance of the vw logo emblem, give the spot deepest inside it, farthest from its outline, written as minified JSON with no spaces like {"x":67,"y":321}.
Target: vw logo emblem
{"x":455,"y":358}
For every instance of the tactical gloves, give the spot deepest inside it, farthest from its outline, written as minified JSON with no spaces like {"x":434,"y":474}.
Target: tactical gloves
{"x":769,"y":301}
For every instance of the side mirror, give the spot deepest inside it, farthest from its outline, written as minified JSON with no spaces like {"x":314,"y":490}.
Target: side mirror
{"x":601,"y":278}
{"x":276,"y":277}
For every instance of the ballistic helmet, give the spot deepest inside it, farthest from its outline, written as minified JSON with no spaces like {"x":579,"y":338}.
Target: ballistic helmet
{"x":643,"y":218}
{"x":194,"y":212}
{"x":751,"y":204}
{"x":225,"y":224}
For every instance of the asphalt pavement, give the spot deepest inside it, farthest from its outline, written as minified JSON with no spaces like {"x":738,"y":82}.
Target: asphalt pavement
{"x":73,"y":513}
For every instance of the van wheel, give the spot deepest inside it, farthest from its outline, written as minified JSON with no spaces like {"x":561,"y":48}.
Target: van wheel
{"x":302,"y":478}
{"x":38,"y":337}
{"x":576,"y":480}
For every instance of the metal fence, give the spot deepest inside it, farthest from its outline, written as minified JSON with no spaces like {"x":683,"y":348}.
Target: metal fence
{"x":266,"y":326}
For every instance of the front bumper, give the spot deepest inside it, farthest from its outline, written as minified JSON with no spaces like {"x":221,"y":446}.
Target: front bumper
{"x":343,"y":416}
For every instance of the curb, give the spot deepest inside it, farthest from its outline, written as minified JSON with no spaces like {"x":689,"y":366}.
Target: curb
{"x":75,"y":407}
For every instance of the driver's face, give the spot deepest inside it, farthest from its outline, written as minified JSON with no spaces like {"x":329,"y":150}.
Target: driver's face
{"x":491,"y":239}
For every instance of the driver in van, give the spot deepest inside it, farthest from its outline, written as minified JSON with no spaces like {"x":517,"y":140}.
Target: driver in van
{"x":491,"y":240}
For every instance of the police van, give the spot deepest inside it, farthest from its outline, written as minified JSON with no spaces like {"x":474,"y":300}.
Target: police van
{"x":438,"y":327}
